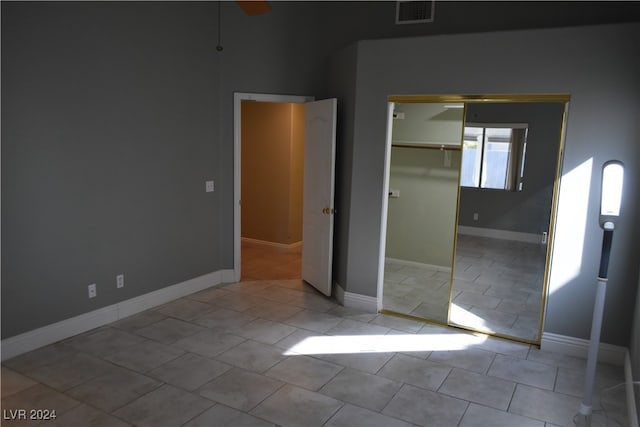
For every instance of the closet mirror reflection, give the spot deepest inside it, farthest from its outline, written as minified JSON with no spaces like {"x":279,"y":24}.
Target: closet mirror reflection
{"x":509,"y":165}
{"x":470,"y":210}
{"x":421,"y":216}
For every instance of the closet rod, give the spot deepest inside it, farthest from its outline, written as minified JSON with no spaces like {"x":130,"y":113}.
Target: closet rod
{"x":427,"y":147}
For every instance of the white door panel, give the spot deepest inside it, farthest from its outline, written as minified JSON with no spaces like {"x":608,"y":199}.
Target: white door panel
{"x":318,"y":211}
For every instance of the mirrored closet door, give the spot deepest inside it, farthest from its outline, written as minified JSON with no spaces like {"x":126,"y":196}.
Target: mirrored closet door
{"x":472,"y":185}
{"x":509,"y":165}
{"x":422,"y":204}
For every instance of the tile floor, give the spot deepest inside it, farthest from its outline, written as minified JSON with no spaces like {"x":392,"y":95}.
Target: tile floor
{"x":277,"y":353}
{"x":497,"y":287}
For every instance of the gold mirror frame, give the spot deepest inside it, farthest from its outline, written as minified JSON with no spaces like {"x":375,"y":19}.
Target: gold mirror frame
{"x":501,"y":98}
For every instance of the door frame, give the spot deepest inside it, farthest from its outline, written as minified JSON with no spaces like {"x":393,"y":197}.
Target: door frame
{"x":238,"y":97}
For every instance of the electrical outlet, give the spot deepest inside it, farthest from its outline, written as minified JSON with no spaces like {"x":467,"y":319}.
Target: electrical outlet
{"x":92,"y":290}
{"x":209,"y":187}
{"x":475,"y":216}
{"x":120,"y":281}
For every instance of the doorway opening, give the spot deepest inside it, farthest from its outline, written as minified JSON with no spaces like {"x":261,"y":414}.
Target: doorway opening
{"x":317,"y":186}
{"x":272,"y":157}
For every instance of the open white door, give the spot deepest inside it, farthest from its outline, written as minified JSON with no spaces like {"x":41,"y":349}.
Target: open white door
{"x":319,"y":171}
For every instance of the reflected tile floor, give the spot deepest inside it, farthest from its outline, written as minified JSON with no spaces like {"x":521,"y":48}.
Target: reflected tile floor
{"x":421,"y":291}
{"x":497,"y":287}
{"x":233,"y":363}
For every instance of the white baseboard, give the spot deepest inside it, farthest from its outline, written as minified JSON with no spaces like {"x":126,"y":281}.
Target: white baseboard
{"x":632,"y":413}
{"x":419,"y":264}
{"x":230,"y":276}
{"x":358,"y":301}
{"x":54,"y":332}
{"x":361,"y":302}
{"x":500,"y":234}
{"x":579,"y":347}
{"x":285,"y":246}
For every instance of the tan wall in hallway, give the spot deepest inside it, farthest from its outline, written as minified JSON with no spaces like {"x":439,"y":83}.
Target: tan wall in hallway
{"x":271,"y":172}
{"x":297,"y":172}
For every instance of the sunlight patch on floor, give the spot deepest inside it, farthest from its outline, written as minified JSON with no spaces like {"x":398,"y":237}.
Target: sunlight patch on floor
{"x":355,"y":344}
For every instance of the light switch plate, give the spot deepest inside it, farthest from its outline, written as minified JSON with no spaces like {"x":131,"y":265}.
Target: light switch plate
{"x":209,"y":187}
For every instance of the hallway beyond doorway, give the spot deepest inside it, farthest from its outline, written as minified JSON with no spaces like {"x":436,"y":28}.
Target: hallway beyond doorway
{"x":264,"y":262}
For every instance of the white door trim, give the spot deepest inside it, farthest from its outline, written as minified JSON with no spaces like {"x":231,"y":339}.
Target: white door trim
{"x":385,"y":205}
{"x":238,"y":97}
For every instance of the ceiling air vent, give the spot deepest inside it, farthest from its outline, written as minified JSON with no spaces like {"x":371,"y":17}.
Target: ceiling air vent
{"x":414,"y":11}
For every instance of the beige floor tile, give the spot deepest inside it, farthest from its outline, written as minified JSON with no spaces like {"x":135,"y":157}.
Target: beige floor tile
{"x":113,"y":389}
{"x":493,"y":392}
{"x":304,"y":371}
{"x":481,"y":416}
{"x":70,"y":372}
{"x":13,"y":382}
{"x":425,"y":408}
{"x":145,"y":356}
{"x":471,"y":359}
{"x":209,"y":343}
{"x":189,"y":371}
{"x":264,"y":331}
{"x":223,"y":319}
{"x":523,"y":371}
{"x":313,"y":321}
{"x":273,"y":311}
{"x":223,"y":416}
{"x":352,"y":416}
{"x":366,"y":362}
{"x":184,"y":309}
{"x":168,"y":331}
{"x":103,"y":342}
{"x":294,"y":406}
{"x":43,"y":356}
{"x":544,"y":405}
{"x":252,"y":355}
{"x":165,"y":406}
{"x":240,"y":389}
{"x":418,"y":372}
{"x":361,"y":389}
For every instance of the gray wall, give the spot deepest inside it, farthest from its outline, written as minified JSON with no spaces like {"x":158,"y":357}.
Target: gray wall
{"x":526,"y":211}
{"x":107,"y":139}
{"x":342,"y":80}
{"x":593,"y":64}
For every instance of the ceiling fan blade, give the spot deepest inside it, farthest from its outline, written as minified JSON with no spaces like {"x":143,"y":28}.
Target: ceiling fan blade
{"x":254,"y":7}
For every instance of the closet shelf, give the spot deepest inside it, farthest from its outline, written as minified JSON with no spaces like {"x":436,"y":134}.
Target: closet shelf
{"x":425,"y":145}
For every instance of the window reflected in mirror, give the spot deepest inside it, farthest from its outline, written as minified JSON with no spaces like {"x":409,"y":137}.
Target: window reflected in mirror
{"x":493,"y":157}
